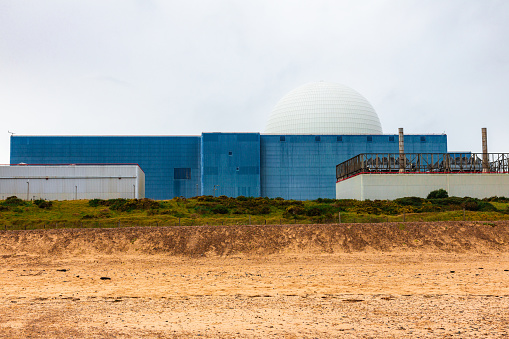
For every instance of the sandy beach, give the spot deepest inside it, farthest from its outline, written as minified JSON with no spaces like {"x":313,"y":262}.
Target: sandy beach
{"x":102,"y":284}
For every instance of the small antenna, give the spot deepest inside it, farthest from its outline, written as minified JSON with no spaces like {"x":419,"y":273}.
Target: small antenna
{"x":12,"y":133}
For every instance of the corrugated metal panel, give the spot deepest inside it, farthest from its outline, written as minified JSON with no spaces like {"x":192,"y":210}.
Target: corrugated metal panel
{"x":71,"y":182}
{"x":231,"y":164}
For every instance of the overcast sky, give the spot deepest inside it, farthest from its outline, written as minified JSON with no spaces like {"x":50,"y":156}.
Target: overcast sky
{"x":142,"y":67}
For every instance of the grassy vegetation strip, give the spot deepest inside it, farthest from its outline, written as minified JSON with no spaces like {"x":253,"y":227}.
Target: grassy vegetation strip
{"x":205,"y":210}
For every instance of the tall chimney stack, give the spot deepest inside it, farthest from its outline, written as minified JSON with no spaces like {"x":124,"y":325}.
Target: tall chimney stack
{"x":402,"y":158}
{"x":485,"y":160}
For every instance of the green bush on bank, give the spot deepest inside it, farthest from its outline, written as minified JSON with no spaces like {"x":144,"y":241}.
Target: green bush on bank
{"x":14,"y":201}
{"x":125,"y":205}
{"x":438,"y":194}
{"x":43,"y":203}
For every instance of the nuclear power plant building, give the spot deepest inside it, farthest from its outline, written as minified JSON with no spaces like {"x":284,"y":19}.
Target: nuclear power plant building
{"x":311,"y":130}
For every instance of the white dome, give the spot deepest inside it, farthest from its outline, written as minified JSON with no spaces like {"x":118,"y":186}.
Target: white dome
{"x":323,"y":108}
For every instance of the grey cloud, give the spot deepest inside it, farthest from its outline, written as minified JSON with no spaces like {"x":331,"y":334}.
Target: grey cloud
{"x":173,"y":67}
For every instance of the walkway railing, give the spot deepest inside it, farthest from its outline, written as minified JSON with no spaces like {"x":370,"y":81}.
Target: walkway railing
{"x":423,"y":163}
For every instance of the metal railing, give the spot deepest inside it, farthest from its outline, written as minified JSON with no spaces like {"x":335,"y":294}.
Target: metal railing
{"x":423,"y":163}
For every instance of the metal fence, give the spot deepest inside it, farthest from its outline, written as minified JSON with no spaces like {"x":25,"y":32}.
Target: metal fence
{"x":423,"y":163}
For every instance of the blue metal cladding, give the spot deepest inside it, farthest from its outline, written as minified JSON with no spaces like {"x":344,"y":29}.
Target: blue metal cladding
{"x":158,"y":157}
{"x":230,"y":164}
{"x":233,"y":164}
{"x":303,"y":166}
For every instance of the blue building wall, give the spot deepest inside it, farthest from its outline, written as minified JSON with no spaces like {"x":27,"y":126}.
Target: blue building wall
{"x":287,"y":166}
{"x":304,"y":166}
{"x":171,"y":163}
{"x":231,"y":164}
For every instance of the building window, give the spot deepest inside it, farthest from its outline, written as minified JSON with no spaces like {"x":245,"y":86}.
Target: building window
{"x":318,"y":138}
{"x":282,"y":138}
{"x":230,"y":153}
{"x":370,"y":139}
{"x":423,"y":139}
{"x":340,"y":139}
{"x":182,"y":173}
{"x":391,"y":139}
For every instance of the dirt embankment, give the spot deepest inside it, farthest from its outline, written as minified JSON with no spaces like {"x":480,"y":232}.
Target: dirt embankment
{"x":260,"y":240}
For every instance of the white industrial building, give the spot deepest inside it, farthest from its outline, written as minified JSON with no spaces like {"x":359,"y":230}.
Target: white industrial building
{"x":393,"y":186}
{"x":386,"y":176}
{"x":72,"y":182}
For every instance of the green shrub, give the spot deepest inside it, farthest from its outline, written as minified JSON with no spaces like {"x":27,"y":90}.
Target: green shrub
{"x":438,"y":194}
{"x":410,"y":201}
{"x":203,"y":209}
{"x":260,"y":210}
{"x":126,"y":205}
{"x":471,"y":205}
{"x":486,"y":207}
{"x":207,"y":198}
{"x":146,"y":204}
{"x":120,"y":205}
{"x":454,"y":200}
{"x":13,"y":201}
{"x":220,"y":209}
{"x":294,"y":210}
{"x":249,"y":202}
{"x":320,"y":210}
{"x":95,"y":202}
{"x":313,"y":211}
{"x":325,"y":200}
{"x":280,"y":202}
{"x":497,"y":199}
{"x":43,"y":203}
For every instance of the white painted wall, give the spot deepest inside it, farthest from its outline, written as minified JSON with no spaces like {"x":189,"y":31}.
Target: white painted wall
{"x":71,"y":182}
{"x":393,"y":186}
